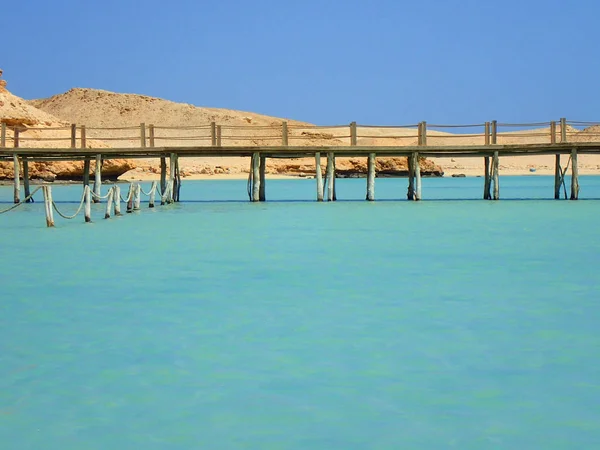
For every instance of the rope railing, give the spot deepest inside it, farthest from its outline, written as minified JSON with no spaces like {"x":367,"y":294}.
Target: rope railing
{"x":21,"y":203}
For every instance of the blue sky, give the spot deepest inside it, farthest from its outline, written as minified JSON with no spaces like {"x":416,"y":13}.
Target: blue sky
{"x":326,"y":62}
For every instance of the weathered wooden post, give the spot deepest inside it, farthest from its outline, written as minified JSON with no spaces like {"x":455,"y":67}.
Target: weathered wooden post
{"x":130,"y":196}
{"x":86,"y":162}
{"x":330,"y":177}
{"x":256,"y":177}
{"x":142,"y":135}
{"x":163,"y":175}
{"x":28,"y":199}
{"x":177,"y":179}
{"x":170,"y":188}
{"x":2,"y":135}
{"x":319,"y":177}
{"x":574,"y":175}
{"x":263,"y":169}
{"x":495,"y":163}
{"x":219,"y":136}
{"x":423,"y":133}
{"x":371,"y":177}
{"x":410,"y":193}
{"x":152,"y":194}
{"x":334,"y":178}
{"x":487,"y":182}
{"x":557,"y":168}
{"x":109,"y":202}
{"x":88,"y":204}
{"x":17,"y":169}
{"x":417,"y":167}
{"x":47,"y":190}
{"x":137,"y":199}
{"x":73,"y":135}
{"x":353,"y":134}
{"x":98,"y":179}
{"x":284,"y":133}
{"x":213,"y":134}
{"x":563,"y":130}
{"x":117,"y":199}
{"x":151,"y":135}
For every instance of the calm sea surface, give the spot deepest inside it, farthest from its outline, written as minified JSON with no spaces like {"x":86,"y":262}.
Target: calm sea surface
{"x":220,"y":324}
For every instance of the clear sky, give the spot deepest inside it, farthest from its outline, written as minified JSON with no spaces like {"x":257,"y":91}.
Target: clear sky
{"x":326,"y":62}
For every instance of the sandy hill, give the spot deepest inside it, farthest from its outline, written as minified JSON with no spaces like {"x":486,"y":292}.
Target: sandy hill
{"x":97,"y":109}
{"x":35,"y":127}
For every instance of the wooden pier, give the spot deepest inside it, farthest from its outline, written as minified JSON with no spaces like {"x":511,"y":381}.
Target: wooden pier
{"x":285,"y":141}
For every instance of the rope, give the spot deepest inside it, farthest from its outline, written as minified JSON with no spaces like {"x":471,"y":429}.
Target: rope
{"x":182,"y":138}
{"x":191,"y":127}
{"x":152,"y":189}
{"x":100,"y":197}
{"x":518,"y":125}
{"x":476,"y":125}
{"x":43,"y":139}
{"x":74,"y":215}
{"x":388,"y":126}
{"x":112,"y":128}
{"x":16,"y":205}
{"x":128,"y":196}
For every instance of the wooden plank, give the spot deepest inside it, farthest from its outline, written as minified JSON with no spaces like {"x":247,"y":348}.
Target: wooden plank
{"x":494,"y":137}
{"x":487,"y":133}
{"x":553,"y":132}
{"x":371,"y":177}
{"x":319,"y":177}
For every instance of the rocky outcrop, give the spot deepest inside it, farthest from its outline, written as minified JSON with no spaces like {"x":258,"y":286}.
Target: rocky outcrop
{"x":67,"y":170}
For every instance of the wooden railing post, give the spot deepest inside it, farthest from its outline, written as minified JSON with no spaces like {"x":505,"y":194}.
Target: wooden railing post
{"x":353,"y":134}
{"x":3,"y":135}
{"x":151,"y":135}
{"x":553,"y":132}
{"x":213,"y":134}
{"x":83,"y":137}
{"x":86,"y":163}
{"x":494,"y":132}
{"x":143,"y":135}
{"x":219,"y":136}
{"x":284,"y":133}
{"x":487,"y":181}
{"x":423,"y":134}
{"x":563,"y":130}
{"x":487,"y":133}
{"x":17,"y":168}
{"x":73,"y":135}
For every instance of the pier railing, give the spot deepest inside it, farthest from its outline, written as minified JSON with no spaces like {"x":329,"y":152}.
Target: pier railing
{"x":285,"y":134}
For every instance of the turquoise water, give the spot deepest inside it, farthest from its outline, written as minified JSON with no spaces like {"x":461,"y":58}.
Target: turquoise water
{"x":297,"y":325}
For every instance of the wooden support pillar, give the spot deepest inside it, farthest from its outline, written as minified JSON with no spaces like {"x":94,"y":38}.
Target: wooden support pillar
{"x":557,"y":176}
{"x":117,"y":199}
{"x":371,"y":177}
{"x":256,"y":177}
{"x":88,"y":204}
{"x":495,"y":176}
{"x":213,"y":134}
{"x":170,"y":187}
{"x":98,"y":179}
{"x":410,"y":194}
{"x":109,"y":202}
{"x":574,"y":176}
{"x":334,"y":179}
{"x":417,"y":168}
{"x":177,"y":179}
{"x":87,"y":160}
{"x":17,"y":179}
{"x":330,"y":177}
{"x":47,"y":190}
{"x":26,"y":180}
{"x":284,"y":133}
{"x":130,"y":196}
{"x":263,"y":169}
{"x":319,"y":177}
{"x":137,"y":198}
{"x":487,"y":182}
{"x":163,"y":175}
